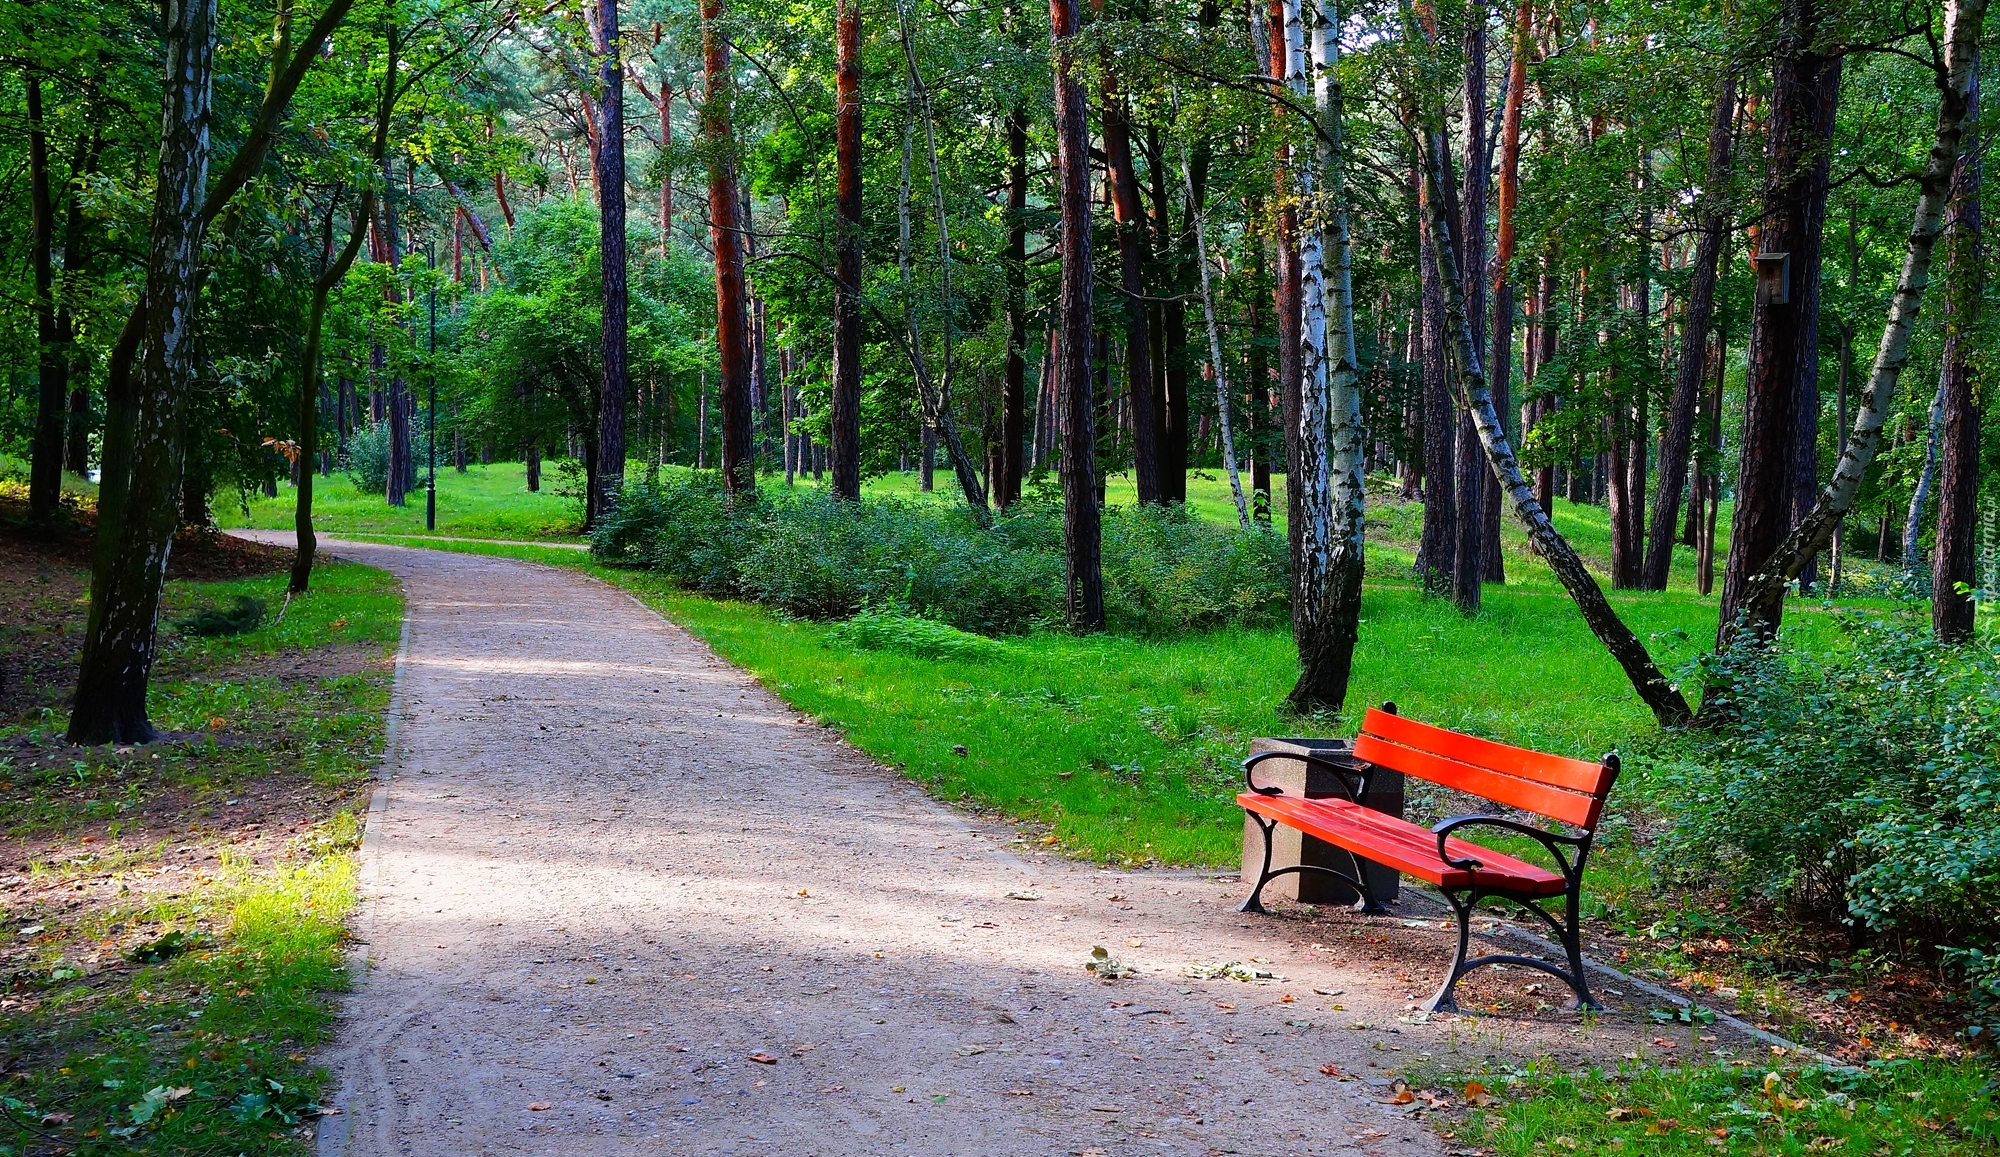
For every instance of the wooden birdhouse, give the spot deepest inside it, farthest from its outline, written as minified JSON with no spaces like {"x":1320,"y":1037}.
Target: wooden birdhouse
{"x":1774,"y":278}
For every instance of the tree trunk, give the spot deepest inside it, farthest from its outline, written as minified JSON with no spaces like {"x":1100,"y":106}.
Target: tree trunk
{"x":1437,"y":551}
{"x":1763,"y":593}
{"x":732,"y":336}
{"x":1286,"y":294}
{"x":845,"y":426}
{"x":1082,"y":545}
{"x":1958,"y":485}
{"x":1468,"y":567}
{"x":1920,"y":495}
{"x":1013,"y":402}
{"x":611,"y":256}
{"x":119,"y":646}
{"x":1492,"y":562}
{"x":45,"y":462}
{"x":1129,"y":216}
{"x":1784,"y":336}
{"x":1691,"y":371}
{"x":1330,"y":434}
{"x":1258,"y":371}
{"x":1625,"y":647}
{"x":1222,"y":406}
{"x":309,"y":377}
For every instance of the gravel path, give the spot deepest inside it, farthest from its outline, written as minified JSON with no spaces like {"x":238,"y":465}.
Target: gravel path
{"x":613,"y":873}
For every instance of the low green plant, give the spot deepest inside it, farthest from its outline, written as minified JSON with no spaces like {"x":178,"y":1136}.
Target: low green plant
{"x":895,"y":630}
{"x":814,"y":556}
{"x":1860,"y":787}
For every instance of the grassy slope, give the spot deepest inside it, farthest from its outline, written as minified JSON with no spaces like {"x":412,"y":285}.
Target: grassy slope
{"x":201,"y":1050}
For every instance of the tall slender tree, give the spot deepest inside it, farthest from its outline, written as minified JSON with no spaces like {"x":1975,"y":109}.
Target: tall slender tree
{"x":1952,"y":609}
{"x":725,"y":233}
{"x":119,"y":646}
{"x":1784,"y":327}
{"x":1082,"y":542}
{"x":1129,"y":218}
{"x":844,"y":449}
{"x":1699,"y":313}
{"x":608,"y":46}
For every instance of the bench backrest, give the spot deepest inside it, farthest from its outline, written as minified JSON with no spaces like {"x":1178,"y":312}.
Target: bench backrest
{"x":1569,"y":790}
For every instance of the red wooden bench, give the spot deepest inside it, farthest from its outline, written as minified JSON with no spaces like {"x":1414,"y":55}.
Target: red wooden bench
{"x":1570,"y":791}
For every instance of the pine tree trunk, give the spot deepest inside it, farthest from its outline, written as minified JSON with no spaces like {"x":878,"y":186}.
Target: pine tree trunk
{"x":1013,"y":402}
{"x":1129,"y":216}
{"x":119,"y":646}
{"x":1286,"y":294}
{"x":1784,"y":336}
{"x":1763,"y":593}
{"x":610,"y":482}
{"x":52,"y":397}
{"x":1468,"y":567}
{"x":1691,"y":371}
{"x":845,"y":426}
{"x":1958,"y":483}
{"x":1437,"y":551}
{"x":725,"y":206}
{"x":1082,"y":545}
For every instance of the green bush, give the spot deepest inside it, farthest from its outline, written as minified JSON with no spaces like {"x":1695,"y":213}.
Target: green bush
{"x":893,"y":630}
{"x":1860,"y":788}
{"x":813,"y":556}
{"x":366,"y":459}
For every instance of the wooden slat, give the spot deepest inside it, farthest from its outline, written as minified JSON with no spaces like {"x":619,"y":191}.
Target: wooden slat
{"x":1402,"y":845}
{"x":1519,"y":762}
{"x":1540,"y":798}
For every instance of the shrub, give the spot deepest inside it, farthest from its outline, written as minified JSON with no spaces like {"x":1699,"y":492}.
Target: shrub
{"x":811,"y":555}
{"x":894,"y":630}
{"x":366,"y":459}
{"x":1861,"y":788}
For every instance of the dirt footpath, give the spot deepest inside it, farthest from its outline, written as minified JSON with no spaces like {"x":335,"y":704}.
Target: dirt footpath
{"x":622,"y":900}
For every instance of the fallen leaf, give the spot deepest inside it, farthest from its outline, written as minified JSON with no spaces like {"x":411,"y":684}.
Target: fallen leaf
{"x":1020,"y":1092}
{"x":1106,"y":1109}
{"x":539,"y":1106}
{"x":764,"y":1058}
{"x":1401,"y":1096}
{"x":1476,"y":1094}
{"x":1619,"y":1113}
{"x":1286,"y":999}
{"x":1022,"y":896}
{"x":51,"y":1120}
{"x":1332,"y":1070}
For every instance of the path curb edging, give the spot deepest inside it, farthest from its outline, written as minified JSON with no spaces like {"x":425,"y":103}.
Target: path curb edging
{"x":330,"y":1135}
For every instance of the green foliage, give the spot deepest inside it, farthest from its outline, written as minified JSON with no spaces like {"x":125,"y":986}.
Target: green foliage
{"x":242,"y":615}
{"x":1860,"y":787}
{"x":813,"y":556}
{"x":895,"y":630}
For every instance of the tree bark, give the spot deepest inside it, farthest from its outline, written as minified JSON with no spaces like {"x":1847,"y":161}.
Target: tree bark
{"x":1493,"y":563}
{"x":1468,"y":567}
{"x":1438,"y":548}
{"x":1082,"y":544}
{"x":1013,"y":402}
{"x":1286,"y":294}
{"x":725,"y":231}
{"x":1129,"y":217}
{"x":1330,"y":434}
{"x":1222,"y":406}
{"x":1958,"y":483}
{"x":844,"y":429}
{"x":611,"y":258}
{"x":1689,"y":375}
{"x":1784,"y":337}
{"x":45,"y":459}
{"x":1763,"y":593}
{"x":1665,"y":701}
{"x":119,"y":648}
{"x":1920,"y":494}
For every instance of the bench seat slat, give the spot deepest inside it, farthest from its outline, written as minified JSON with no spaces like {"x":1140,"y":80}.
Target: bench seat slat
{"x":1540,"y":798}
{"x":1402,"y":845}
{"x":1519,"y":762}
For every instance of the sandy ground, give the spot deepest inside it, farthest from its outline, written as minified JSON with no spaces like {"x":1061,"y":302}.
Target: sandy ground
{"x":621,"y":899}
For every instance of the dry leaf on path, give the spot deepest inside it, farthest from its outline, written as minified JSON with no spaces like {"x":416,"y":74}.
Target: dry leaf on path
{"x":539,"y":1106}
{"x":764,"y":1058}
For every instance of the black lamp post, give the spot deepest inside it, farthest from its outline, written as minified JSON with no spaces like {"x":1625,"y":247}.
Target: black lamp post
{"x":431,"y":489}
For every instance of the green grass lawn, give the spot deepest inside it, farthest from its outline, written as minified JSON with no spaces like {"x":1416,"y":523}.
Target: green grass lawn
{"x":484,"y":502}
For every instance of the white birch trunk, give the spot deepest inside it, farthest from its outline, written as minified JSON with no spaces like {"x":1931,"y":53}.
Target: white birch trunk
{"x":1215,"y":355}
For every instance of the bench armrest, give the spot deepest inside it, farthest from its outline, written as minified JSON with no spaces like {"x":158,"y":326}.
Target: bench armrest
{"x":1548,"y":839}
{"x":1340,"y":774}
